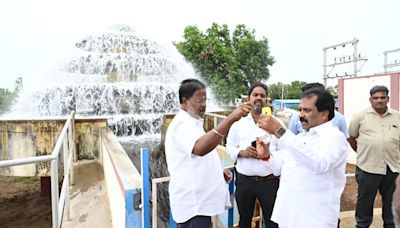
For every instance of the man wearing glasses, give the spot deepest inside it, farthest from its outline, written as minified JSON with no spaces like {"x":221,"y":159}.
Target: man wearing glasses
{"x":197,"y":188}
{"x":375,"y":136}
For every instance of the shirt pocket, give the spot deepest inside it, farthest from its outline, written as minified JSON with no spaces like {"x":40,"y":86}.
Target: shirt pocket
{"x":394,"y":133}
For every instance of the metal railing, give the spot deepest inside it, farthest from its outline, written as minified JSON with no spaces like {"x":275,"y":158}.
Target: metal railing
{"x":145,"y":198}
{"x":66,"y":142}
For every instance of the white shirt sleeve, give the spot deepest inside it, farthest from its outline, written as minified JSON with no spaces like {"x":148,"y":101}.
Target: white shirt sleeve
{"x":319,"y":156}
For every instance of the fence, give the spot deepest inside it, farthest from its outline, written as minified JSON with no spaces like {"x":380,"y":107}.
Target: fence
{"x":145,"y":156}
{"x":66,"y":142}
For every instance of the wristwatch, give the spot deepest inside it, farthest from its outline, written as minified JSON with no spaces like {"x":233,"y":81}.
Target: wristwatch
{"x":281,"y":131}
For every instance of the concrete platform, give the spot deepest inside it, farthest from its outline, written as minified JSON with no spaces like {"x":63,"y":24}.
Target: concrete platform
{"x":89,"y":200}
{"x":347,"y":219}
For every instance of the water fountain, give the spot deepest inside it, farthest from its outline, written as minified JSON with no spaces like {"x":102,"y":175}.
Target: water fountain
{"x":118,"y":74}
{"x":123,"y":76}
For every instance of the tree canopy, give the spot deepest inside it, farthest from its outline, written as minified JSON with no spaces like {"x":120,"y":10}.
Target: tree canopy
{"x":228,"y":64}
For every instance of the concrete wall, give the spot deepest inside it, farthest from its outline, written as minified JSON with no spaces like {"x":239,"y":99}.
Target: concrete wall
{"x":29,"y":138}
{"x":354,"y":96}
{"x":123,"y":183}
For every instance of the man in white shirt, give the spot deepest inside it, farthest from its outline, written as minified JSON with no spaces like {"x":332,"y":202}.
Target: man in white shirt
{"x":197,"y":188}
{"x":254,"y":180}
{"x":311,"y":164}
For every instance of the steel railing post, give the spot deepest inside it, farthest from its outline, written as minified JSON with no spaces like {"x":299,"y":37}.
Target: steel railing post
{"x":67,"y":166}
{"x":54,"y":192}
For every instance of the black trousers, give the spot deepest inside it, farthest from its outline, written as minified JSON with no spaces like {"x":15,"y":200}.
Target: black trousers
{"x":199,"y":221}
{"x":368,"y":186}
{"x":247,"y":191}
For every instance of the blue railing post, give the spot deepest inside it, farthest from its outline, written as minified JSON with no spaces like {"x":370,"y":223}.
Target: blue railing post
{"x":145,"y":169}
{"x":231,"y":192}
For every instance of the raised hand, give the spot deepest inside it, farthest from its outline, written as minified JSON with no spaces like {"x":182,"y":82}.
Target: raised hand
{"x":241,"y":111}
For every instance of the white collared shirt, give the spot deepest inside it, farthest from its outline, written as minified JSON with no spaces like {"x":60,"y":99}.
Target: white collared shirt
{"x":197,"y":185}
{"x":240,"y":136}
{"x":312,"y":168}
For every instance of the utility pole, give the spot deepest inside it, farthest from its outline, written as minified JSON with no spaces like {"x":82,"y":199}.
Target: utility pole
{"x":355,"y":58}
{"x":396,"y":62}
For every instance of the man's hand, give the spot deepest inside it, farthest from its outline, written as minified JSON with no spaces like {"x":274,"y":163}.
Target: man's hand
{"x":250,"y":152}
{"x":269,"y":124}
{"x":241,"y":111}
{"x":262,"y":149}
{"x":227,"y":175}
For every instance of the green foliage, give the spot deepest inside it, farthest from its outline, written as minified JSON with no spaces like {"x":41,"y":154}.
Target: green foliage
{"x":229,"y":65}
{"x":7,"y":98}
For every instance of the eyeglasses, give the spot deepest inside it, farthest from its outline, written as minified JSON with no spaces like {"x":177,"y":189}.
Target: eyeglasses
{"x":377,"y":98}
{"x":202,"y":101}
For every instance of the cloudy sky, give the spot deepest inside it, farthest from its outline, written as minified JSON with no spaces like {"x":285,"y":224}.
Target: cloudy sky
{"x":37,"y":34}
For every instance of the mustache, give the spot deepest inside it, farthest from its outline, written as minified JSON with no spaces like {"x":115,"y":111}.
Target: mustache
{"x":303,"y":120}
{"x":257,"y":101}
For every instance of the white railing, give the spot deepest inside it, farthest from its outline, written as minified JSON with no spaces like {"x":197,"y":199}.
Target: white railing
{"x":66,"y":141}
{"x":154,"y":183}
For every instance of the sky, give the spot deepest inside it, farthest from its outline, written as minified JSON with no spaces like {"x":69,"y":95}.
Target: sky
{"x":35,"y":35}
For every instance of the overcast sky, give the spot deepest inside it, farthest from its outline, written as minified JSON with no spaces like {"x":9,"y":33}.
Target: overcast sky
{"x":37,"y":34}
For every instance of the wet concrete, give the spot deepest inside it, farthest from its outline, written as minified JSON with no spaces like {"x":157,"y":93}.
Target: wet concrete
{"x":89,"y":200}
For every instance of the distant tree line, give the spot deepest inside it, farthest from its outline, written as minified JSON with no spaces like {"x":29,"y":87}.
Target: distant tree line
{"x":292,"y":91}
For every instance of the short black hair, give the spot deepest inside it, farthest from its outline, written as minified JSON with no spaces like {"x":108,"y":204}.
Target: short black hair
{"x":258,"y":84}
{"x":325,"y":100}
{"x":311,"y":86}
{"x":189,"y":87}
{"x":379,"y":88}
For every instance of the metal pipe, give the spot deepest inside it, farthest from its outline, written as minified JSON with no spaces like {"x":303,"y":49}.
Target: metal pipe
{"x":57,"y":147}
{"x":341,"y":44}
{"x":325,"y":77}
{"x":54,"y":193}
{"x":63,"y":199}
{"x":154,"y":203}
{"x":71,"y":170}
{"x":67,"y":166}
{"x":355,"y":57}
{"x":24,"y":161}
{"x":385,"y":62}
{"x":145,"y":158}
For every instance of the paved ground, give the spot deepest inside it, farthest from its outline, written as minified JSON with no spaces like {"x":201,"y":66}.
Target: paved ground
{"x":347,"y":219}
{"x":89,"y":201}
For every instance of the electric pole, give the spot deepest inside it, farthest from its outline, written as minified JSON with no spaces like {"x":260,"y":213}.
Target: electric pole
{"x":355,"y":58}
{"x":396,"y":62}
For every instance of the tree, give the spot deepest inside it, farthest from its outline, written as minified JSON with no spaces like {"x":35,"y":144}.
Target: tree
{"x":7,"y":98}
{"x":294,"y":91}
{"x":229,"y":65}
